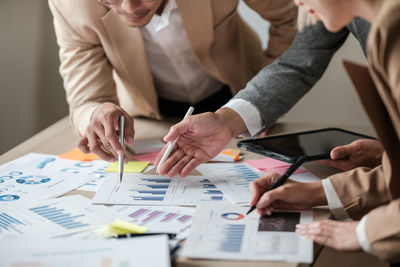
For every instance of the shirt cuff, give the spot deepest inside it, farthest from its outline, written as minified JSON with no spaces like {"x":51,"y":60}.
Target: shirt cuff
{"x":334,"y":203}
{"x":249,"y":114}
{"x":362,"y":236}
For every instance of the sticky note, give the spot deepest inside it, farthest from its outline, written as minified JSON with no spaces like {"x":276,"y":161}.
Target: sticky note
{"x":282,"y":170}
{"x":266,"y":163}
{"x":272,"y":165}
{"x":150,"y":157}
{"x":228,"y":155}
{"x":132,"y":166}
{"x":125,"y":227}
{"x":76,"y":154}
{"x":119,"y":227}
{"x":232,"y":153}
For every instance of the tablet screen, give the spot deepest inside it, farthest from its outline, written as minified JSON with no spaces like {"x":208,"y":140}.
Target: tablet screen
{"x":313,"y":144}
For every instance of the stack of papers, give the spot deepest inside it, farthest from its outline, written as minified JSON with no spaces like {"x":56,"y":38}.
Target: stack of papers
{"x":224,"y":232}
{"x":51,"y":218}
{"x":140,"y":251}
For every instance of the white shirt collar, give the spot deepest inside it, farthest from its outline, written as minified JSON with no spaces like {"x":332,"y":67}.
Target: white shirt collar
{"x":158,"y":23}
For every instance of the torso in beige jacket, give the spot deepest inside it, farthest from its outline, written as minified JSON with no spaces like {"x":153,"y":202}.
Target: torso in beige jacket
{"x":376,"y":192}
{"x":103,"y":60}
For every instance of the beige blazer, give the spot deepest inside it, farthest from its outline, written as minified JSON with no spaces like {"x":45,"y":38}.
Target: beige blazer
{"x":104,"y":60}
{"x":376,"y":192}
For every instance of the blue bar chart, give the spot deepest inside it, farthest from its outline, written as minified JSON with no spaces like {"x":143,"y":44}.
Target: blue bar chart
{"x":151,"y":189}
{"x":233,"y":179}
{"x":9,"y":223}
{"x":60,"y":217}
{"x":232,"y":237}
{"x":148,"y":189}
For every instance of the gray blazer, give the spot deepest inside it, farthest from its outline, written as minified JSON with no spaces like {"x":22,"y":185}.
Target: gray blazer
{"x":277,"y":87}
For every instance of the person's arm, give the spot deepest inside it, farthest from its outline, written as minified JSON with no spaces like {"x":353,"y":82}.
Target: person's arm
{"x":361,"y":190}
{"x":382,"y":225}
{"x":282,"y":16}
{"x":279,"y":86}
{"x":271,"y":92}
{"x":88,"y":82}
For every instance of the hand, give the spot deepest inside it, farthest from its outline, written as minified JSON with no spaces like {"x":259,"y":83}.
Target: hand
{"x":201,"y":138}
{"x":338,"y":235}
{"x":292,"y":195}
{"x":101,"y":135}
{"x":360,"y":153}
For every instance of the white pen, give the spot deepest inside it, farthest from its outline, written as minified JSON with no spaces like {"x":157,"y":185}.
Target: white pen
{"x":121,"y":140}
{"x":172,"y":144}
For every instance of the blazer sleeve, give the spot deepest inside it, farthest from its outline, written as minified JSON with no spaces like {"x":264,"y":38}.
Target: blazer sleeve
{"x":279,"y":86}
{"x":282,"y":16}
{"x":361,"y":190}
{"x":85,"y":70}
{"x":383,"y":231}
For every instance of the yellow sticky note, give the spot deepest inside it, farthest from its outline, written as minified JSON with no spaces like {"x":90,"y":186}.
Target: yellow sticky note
{"x":132,"y":166}
{"x":121,"y":227}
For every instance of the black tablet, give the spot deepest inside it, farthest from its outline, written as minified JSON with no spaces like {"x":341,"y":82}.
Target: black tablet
{"x":313,"y":145}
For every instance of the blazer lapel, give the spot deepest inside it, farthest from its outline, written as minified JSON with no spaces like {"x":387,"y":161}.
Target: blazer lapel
{"x":128,"y":44}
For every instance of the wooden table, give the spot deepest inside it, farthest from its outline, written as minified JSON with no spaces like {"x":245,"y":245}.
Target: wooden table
{"x":60,"y":138}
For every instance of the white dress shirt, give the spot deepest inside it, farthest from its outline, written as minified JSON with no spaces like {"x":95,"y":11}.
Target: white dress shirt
{"x":177,"y":74}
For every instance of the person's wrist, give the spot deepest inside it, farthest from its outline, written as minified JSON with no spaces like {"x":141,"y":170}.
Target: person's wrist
{"x":232,"y":121}
{"x":318,"y":194}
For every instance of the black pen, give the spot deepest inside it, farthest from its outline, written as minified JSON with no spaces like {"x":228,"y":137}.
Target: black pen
{"x":170,"y":235}
{"x":281,"y":179}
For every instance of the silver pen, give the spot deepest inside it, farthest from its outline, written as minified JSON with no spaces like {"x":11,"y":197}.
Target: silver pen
{"x":121,"y":140}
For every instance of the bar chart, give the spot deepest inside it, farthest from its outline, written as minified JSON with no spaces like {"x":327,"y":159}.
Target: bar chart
{"x":9,"y":223}
{"x":60,"y":216}
{"x":148,"y":189}
{"x":233,"y":179}
{"x":163,"y":216}
{"x":151,"y":189}
{"x":232,"y":237}
{"x":171,"y":219}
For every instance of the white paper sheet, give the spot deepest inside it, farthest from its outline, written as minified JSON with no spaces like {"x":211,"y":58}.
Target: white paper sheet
{"x":19,"y":184}
{"x":233,"y":179}
{"x":54,"y":217}
{"x":92,"y":171}
{"x":143,"y":189}
{"x":139,"y":251}
{"x":224,"y":232}
{"x":162,"y":219}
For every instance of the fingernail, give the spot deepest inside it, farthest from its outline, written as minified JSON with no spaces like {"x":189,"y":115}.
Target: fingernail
{"x":130,"y":140}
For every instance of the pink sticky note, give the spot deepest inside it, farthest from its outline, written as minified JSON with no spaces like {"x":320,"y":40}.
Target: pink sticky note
{"x":150,"y":157}
{"x":266,"y":163}
{"x":282,"y":170}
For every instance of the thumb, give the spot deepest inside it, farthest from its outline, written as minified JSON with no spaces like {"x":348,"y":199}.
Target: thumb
{"x":177,"y":130}
{"x":341,"y":152}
